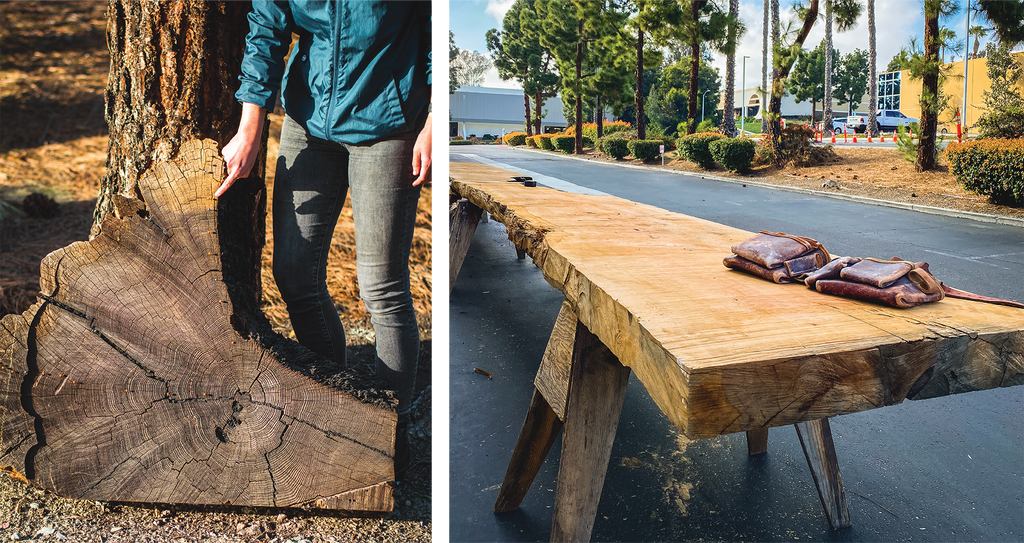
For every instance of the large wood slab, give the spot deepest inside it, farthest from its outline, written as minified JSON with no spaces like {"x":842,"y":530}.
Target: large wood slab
{"x":721,"y":351}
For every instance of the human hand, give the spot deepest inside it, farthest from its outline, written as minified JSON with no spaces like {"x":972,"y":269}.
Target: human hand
{"x":421,"y":157}
{"x":240,"y":153}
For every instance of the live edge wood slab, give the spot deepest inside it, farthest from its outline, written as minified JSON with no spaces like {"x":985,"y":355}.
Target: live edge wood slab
{"x":139,"y":377}
{"x":721,"y":351}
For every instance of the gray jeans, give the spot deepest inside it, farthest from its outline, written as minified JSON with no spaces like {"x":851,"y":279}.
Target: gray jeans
{"x":312,"y":178}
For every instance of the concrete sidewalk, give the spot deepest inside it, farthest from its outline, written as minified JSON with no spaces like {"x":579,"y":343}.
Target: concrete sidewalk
{"x":948,"y":469}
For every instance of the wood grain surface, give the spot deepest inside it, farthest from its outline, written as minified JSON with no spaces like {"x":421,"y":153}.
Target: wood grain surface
{"x":721,"y":351}
{"x":129,"y":382}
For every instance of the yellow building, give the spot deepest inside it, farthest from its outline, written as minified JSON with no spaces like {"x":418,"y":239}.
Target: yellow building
{"x":897,"y":91}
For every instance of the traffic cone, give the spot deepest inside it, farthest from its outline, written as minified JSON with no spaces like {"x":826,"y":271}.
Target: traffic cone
{"x":844,"y":136}
{"x":882,"y":134}
{"x":868,"y":132}
{"x":854,"y":136}
{"x":833,"y":137}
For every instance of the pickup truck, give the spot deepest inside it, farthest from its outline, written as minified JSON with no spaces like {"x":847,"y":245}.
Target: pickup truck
{"x":887,"y":119}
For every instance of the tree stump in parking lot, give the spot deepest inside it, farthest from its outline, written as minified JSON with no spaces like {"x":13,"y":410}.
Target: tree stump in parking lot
{"x":146,"y":372}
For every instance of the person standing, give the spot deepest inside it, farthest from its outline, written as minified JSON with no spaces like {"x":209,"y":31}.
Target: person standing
{"x":356,"y":94}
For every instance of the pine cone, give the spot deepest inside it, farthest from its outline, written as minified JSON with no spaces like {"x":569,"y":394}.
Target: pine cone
{"x":40,"y":206}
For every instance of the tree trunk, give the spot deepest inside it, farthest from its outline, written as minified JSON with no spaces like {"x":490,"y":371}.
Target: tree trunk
{"x":873,"y":78}
{"x":147,"y":372}
{"x":579,"y":90}
{"x":826,"y":108}
{"x":599,"y":113}
{"x":691,"y":104}
{"x":774,"y":132}
{"x":526,"y":105}
{"x":638,"y":94}
{"x":764,"y":57}
{"x":538,"y":103}
{"x":729,"y":121}
{"x":930,"y":89}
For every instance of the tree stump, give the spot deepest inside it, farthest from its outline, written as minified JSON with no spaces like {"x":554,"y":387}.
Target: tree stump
{"x":135,"y":378}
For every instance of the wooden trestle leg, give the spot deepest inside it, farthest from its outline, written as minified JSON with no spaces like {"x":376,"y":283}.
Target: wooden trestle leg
{"x":535,"y":439}
{"x":757,"y":441}
{"x":583,"y":384}
{"x":597,"y":388}
{"x":816,"y":440}
{"x":463,"y":218}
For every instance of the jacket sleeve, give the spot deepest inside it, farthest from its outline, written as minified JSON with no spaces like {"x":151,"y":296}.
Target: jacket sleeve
{"x":266,"y":45}
{"x":427,"y":37}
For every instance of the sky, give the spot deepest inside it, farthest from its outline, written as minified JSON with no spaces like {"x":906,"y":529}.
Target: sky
{"x":895,"y":22}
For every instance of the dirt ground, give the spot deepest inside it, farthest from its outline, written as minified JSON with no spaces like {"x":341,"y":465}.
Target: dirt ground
{"x":53,"y":141}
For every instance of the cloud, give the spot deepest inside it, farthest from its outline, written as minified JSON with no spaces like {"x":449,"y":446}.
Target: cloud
{"x":498,"y":8}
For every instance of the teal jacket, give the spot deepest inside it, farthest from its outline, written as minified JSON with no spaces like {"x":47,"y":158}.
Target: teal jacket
{"x":359,"y":72}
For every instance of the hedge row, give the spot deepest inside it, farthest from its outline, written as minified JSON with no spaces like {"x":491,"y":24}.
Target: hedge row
{"x":696,"y":148}
{"x":993,"y":167}
{"x":514,"y":139}
{"x":707,"y":148}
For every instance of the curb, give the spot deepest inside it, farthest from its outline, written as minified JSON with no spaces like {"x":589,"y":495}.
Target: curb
{"x":969,"y":215}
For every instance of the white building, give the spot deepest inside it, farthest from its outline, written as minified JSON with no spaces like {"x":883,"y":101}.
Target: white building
{"x":476,"y":111}
{"x":790,"y":107}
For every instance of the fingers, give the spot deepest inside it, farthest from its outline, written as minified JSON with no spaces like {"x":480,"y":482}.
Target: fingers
{"x":228,"y":181}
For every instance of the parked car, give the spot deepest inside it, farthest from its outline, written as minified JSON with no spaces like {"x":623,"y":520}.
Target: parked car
{"x":886,"y":119}
{"x":838,"y":124}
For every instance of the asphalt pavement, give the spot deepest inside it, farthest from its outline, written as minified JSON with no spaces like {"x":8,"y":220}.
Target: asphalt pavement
{"x":946,"y":469}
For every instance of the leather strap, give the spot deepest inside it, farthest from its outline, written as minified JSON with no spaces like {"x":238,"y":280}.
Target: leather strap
{"x":957,"y":293}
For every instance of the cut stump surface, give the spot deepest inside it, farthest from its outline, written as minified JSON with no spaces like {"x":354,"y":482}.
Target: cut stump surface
{"x":129,"y":381}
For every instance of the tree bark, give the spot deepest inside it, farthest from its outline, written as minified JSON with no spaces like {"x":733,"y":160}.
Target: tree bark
{"x":579,"y":90}
{"x":826,"y":107}
{"x":147,"y":372}
{"x":930,"y":89}
{"x":728,"y":117}
{"x":538,"y":103}
{"x":764,"y":57}
{"x":873,"y":78}
{"x":526,"y":105}
{"x":638,"y":94}
{"x":691,"y":104}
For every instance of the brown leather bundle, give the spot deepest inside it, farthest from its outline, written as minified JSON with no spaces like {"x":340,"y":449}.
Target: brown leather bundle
{"x":778,"y":257}
{"x":895,"y":282}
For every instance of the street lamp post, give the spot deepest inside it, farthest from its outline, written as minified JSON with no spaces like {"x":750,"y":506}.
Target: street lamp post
{"x":743,"y":96}
{"x":702,"y":96}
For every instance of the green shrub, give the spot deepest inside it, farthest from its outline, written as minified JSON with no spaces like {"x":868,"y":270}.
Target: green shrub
{"x":565,"y":144}
{"x":735,"y":154}
{"x":695,"y":148}
{"x":644,"y":149}
{"x":514,"y":139}
{"x":707,"y":125}
{"x":460,"y":141}
{"x":544,"y":142}
{"x":614,"y":147}
{"x":532,"y":141}
{"x":993,"y":167}
{"x":588,"y":141}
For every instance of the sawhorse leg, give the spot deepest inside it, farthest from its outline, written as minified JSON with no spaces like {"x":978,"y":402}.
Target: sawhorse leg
{"x":816,"y":440}
{"x":587,"y":384}
{"x":820,"y":451}
{"x":463,"y":218}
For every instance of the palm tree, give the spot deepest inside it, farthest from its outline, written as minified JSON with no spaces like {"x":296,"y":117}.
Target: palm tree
{"x":873,"y":78}
{"x":728,"y":120}
{"x":978,"y":32}
{"x":764,"y":56}
{"x":826,"y":114}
